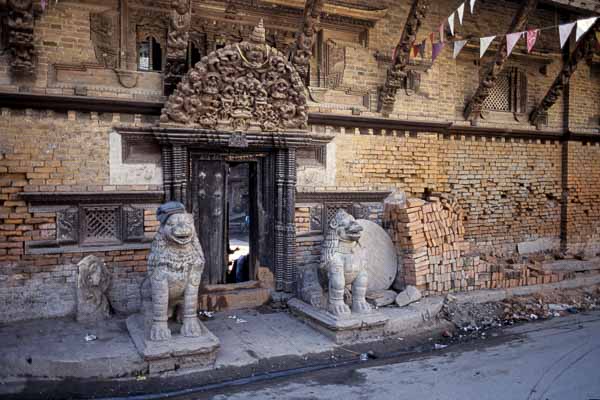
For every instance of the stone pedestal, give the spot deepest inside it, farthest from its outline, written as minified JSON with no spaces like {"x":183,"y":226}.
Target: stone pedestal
{"x":176,"y":353}
{"x":348,"y":329}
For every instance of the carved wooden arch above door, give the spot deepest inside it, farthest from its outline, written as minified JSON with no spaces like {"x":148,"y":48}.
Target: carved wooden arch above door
{"x":249,"y":86}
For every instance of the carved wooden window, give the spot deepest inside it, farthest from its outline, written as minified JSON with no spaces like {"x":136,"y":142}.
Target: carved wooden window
{"x":103,"y":224}
{"x":509,"y":93}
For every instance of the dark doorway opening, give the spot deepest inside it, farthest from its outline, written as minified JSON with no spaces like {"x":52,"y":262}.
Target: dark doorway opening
{"x":239,"y":223}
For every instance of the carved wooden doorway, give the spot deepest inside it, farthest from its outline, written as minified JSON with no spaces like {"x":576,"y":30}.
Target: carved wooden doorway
{"x":212,"y":207}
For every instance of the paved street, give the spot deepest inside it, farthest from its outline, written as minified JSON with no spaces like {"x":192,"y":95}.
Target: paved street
{"x":555,"y":360}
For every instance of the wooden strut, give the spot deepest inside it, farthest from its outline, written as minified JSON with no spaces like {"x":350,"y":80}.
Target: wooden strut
{"x":585,"y":46}
{"x":19,"y":23}
{"x":177,"y":43}
{"x":396,"y":74}
{"x":301,"y":51}
{"x":473,"y":108}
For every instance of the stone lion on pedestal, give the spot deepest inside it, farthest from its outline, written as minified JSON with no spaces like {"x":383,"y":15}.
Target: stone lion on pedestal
{"x":341,"y":268}
{"x":175,"y":266}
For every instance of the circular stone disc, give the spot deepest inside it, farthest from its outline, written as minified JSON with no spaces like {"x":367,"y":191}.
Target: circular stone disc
{"x":378,"y":254}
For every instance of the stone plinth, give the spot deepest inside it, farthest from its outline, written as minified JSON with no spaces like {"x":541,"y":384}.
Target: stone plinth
{"x":347,"y":329}
{"x":175,"y":353}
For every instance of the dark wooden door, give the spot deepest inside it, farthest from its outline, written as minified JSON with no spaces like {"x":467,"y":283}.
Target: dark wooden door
{"x":209,"y":202}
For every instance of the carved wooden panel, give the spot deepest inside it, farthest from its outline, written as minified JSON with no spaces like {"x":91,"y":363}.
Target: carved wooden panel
{"x":133,"y":223}
{"x":105,"y":37}
{"x":209,"y":202}
{"x":67,"y":226}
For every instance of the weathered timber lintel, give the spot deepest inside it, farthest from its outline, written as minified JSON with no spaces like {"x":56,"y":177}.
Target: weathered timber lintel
{"x":301,"y":51}
{"x":473,"y":108}
{"x":583,"y":48}
{"x":108,"y":105}
{"x":396,"y":74}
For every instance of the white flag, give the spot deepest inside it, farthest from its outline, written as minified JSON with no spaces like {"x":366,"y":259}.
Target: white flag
{"x":564,"y":31}
{"x":484,"y":43}
{"x":511,"y":41}
{"x":458,"y":46}
{"x":583,"y":25}
{"x":451,"y":23}
{"x":461,"y":11}
{"x":472,"y":4}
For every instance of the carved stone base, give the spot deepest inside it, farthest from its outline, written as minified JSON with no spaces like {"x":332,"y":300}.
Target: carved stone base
{"x":177,"y":353}
{"x":351,"y":329}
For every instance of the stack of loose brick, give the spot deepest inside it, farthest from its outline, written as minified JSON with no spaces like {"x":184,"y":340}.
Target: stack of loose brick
{"x":436,"y":258}
{"x":430,"y":235}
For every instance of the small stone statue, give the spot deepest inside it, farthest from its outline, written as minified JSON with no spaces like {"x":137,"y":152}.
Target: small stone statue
{"x":340,"y":267}
{"x":175,"y":266}
{"x":92,"y":283}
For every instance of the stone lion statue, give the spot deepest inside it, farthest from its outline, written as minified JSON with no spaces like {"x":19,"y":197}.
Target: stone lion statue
{"x":175,"y":266}
{"x":340,"y":267}
{"x":93,"y":281}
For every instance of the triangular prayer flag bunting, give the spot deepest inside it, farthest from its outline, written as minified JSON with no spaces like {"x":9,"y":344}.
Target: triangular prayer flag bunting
{"x":511,"y":41}
{"x":484,"y":43}
{"x":451,"y":23}
{"x":583,"y":25}
{"x":441,"y":33}
{"x":436,"y":50}
{"x":458,"y":46}
{"x":564,"y":31}
{"x":472,"y":4}
{"x":423,"y":47}
{"x":432,"y":37}
{"x":460,"y":10}
{"x":532,"y":36}
{"x":415,"y":50}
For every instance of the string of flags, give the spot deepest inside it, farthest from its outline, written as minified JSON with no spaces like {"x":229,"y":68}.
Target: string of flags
{"x":564,"y":30}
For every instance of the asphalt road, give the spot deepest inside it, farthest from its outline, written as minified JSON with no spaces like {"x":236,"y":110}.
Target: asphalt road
{"x":557,"y":359}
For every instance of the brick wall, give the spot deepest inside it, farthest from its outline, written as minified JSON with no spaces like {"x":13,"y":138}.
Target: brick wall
{"x":510,"y":189}
{"x":583,"y":207}
{"x":52,"y":152}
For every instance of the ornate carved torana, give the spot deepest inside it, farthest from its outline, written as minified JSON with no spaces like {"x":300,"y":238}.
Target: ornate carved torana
{"x":301,"y":51}
{"x":396,"y":75}
{"x":177,"y":42}
{"x":473,"y":108}
{"x":20,"y":36}
{"x":585,"y":46}
{"x":248,"y":86}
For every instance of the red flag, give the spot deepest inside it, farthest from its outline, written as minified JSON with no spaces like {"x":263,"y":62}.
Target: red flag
{"x":416,"y":50}
{"x":432,"y":37}
{"x":532,"y":36}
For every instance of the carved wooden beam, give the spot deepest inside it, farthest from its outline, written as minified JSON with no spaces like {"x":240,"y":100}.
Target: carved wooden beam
{"x":396,"y":74}
{"x":20,"y":35}
{"x":301,"y":51}
{"x":585,"y":47}
{"x":473,"y":108}
{"x":177,"y":43}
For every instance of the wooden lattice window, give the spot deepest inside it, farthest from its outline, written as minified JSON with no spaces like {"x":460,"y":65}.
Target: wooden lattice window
{"x":509,"y":93}
{"x":101,"y":224}
{"x":332,"y":209}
